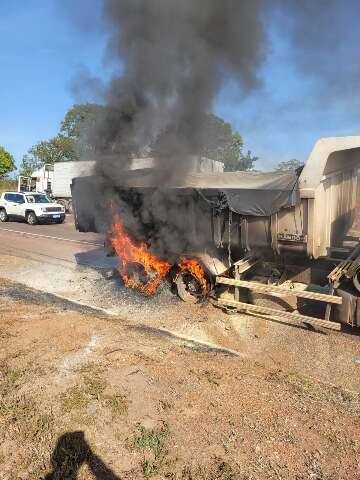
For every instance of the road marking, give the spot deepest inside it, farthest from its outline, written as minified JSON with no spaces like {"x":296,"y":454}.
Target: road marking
{"x":51,"y":237}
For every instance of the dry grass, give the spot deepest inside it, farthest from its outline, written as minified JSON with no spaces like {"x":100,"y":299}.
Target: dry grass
{"x":79,"y":396}
{"x":6,"y":184}
{"x":227,"y":418}
{"x":37,"y":425}
{"x":118,"y":405}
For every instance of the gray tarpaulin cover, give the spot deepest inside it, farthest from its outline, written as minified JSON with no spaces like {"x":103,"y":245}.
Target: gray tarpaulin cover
{"x":247,"y":193}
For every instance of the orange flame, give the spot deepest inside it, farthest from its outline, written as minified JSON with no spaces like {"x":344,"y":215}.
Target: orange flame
{"x":196,"y":270}
{"x":135,"y":254}
{"x":130,"y":252}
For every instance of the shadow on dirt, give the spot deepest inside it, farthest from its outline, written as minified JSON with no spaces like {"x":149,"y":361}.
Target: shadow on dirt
{"x":18,"y":291}
{"x":192,"y":343}
{"x":70,"y":453}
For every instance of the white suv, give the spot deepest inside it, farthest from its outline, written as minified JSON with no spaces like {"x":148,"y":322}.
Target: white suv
{"x":30,"y":206}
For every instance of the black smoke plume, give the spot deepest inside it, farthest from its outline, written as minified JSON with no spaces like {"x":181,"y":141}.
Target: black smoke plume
{"x":175,"y":55}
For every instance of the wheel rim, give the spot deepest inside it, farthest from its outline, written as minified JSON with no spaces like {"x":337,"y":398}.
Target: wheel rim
{"x":2,"y":215}
{"x":31,"y":219}
{"x":188,"y":287}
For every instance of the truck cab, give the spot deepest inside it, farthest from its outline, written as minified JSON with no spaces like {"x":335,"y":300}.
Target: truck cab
{"x":40,"y":181}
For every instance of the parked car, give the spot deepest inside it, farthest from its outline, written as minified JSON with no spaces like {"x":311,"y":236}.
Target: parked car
{"x":33,"y":207}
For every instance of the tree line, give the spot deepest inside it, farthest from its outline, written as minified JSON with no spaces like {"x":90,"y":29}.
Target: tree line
{"x":218,"y":142}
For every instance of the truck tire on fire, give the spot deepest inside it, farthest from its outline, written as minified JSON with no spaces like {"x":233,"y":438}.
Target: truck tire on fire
{"x":137,"y":273}
{"x":188,"y":287}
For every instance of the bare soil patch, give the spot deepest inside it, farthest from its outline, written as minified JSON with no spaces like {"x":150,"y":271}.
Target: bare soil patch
{"x":84,"y":396}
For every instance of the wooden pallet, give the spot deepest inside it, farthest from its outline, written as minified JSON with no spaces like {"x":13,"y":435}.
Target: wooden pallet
{"x":291,"y":317}
{"x":274,"y":290}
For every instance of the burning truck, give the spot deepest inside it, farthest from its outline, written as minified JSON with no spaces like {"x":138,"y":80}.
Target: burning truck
{"x":264,"y":243}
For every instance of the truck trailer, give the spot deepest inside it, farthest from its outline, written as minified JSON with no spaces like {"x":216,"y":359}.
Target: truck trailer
{"x":270,"y":243}
{"x":55,"y":180}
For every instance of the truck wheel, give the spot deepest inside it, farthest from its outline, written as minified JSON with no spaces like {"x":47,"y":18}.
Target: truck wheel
{"x":31,"y":218}
{"x":188,"y":287}
{"x":3,"y":215}
{"x":64,"y":203}
{"x":70,"y":207}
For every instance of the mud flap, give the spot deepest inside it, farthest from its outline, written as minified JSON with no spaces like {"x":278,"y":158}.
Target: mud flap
{"x":349,"y":311}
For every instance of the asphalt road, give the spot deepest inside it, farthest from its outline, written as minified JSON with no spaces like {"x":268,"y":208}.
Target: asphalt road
{"x":65,"y":230}
{"x":58,"y":242}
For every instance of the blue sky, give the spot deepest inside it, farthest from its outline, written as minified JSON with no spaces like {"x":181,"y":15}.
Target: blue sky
{"x":43,"y":49}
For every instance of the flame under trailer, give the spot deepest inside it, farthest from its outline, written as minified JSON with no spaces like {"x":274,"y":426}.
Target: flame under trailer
{"x":274,"y":244}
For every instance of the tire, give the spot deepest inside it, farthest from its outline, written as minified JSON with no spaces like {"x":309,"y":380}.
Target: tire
{"x":3,"y":215}
{"x":31,"y":218}
{"x":70,"y":207}
{"x":62,"y":202}
{"x":186,"y":294}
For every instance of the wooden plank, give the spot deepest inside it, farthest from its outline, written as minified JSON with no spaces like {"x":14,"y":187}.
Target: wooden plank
{"x":237,"y":289}
{"x":328,"y":306}
{"x":341,"y":269}
{"x":245,"y":264}
{"x":262,"y":288}
{"x":278,"y":313}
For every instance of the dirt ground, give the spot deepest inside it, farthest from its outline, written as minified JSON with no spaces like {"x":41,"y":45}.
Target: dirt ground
{"x":88,"y":396}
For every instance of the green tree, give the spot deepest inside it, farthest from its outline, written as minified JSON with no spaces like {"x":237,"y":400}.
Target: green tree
{"x":79,"y":119}
{"x":7,"y":163}
{"x":220,"y":142}
{"x":292,"y":164}
{"x":78,"y":126}
{"x":234,"y":159}
{"x":69,"y":144}
{"x":28,"y":165}
{"x":57,"y":149}
{"x":217,"y":141}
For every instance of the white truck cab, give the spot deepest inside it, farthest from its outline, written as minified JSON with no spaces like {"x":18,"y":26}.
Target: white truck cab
{"x":33,"y":207}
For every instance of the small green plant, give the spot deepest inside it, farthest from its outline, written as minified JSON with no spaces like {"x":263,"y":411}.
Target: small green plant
{"x":154,"y":442}
{"x":15,"y":375}
{"x":149,"y":468}
{"x":8,"y":379}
